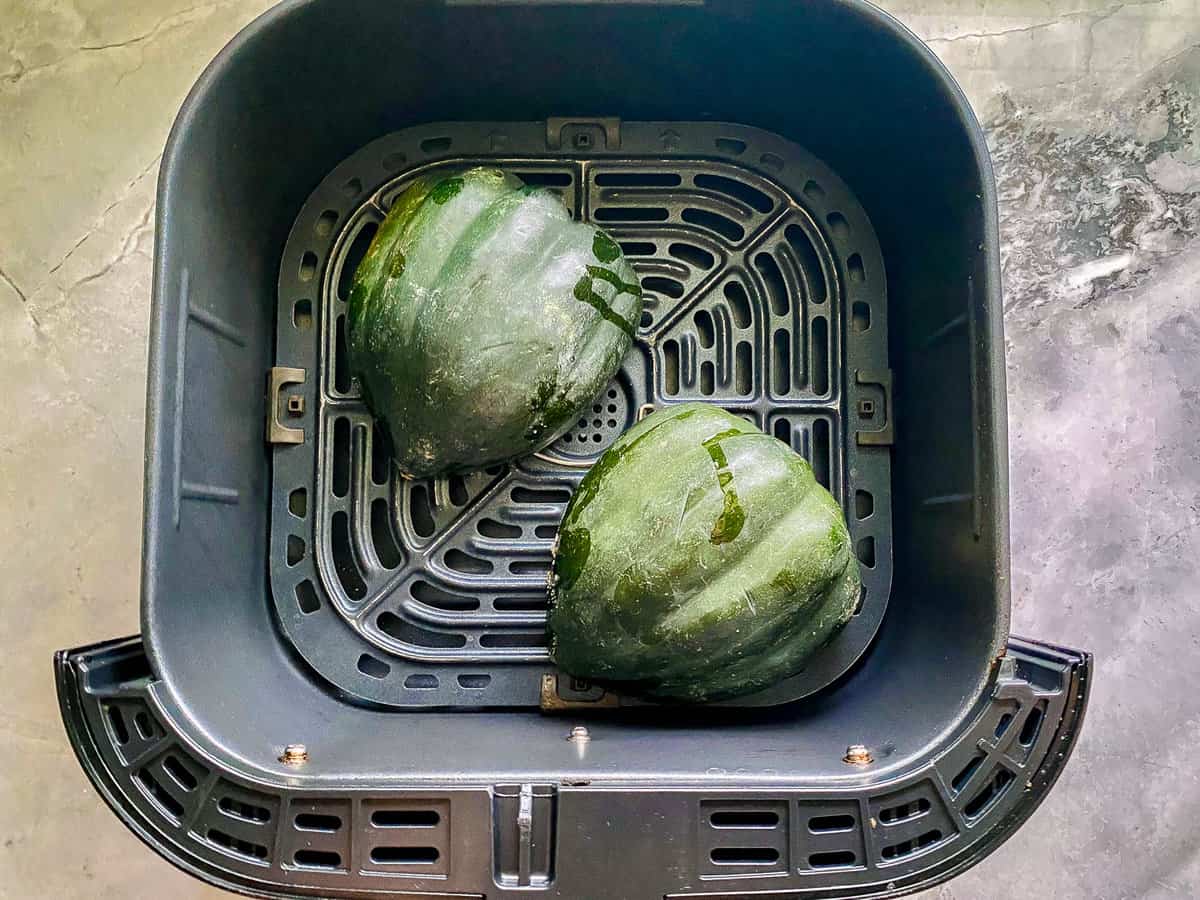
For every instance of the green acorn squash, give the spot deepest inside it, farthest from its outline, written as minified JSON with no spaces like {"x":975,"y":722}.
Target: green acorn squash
{"x":698,"y":560}
{"x":482,"y":320}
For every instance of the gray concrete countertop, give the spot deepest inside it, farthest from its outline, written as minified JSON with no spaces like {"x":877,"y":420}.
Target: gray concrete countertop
{"x":1092,"y":110}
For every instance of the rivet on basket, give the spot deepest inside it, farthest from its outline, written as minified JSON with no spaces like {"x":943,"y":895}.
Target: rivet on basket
{"x":294,"y":755}
{"x":858,"y":755}
{"x":579,"y":735}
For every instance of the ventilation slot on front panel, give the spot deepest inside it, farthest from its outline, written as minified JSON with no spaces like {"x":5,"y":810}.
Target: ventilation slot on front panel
{"x":119,"y":730}
{"x":743,"y":838}
{"x":317,"y":859}
{"x":247,"y":812}
{"x":319,"y":837}
{"x":1033,"y":725}
{"x":318,"y":822}
{"x":247,"y":850}
{"x":408,"y":836}
{"x":144,"y":725}
{"x":910,"y":821}
{"x":244,"y":823}
{"x":894,"y":815}
{"x":131,"y":729}
{"x":185,"y":774}
{"x":170,"y":781}
{"x":166,"y":802}
{"x":909,"y":847}
{"x":831,"y":835}
{"x":966,"y":773}
{"x":744,"y":856}
{"x":827,"y":824}
{"x":989,"y":794}
{"x":832,"y":859}
{"x":744,"y":819}
{"x":405,"y":818}
{"x":1005,"y":720}
{"x":405,"y":856}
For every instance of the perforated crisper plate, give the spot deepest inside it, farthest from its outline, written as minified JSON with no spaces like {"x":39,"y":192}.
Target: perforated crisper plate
{"x":765,"y":294}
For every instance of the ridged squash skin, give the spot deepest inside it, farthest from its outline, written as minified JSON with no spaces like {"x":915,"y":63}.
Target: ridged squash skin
{"x":483,"y":319}
{"x":699,"y":560}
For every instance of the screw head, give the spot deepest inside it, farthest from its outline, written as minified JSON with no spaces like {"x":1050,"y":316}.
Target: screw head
{"x":579,"y":735}
{"x":857,"y":755}
{"x":294,"y":755}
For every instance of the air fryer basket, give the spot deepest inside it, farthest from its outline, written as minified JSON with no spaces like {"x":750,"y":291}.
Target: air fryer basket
{"x":313,"y":117}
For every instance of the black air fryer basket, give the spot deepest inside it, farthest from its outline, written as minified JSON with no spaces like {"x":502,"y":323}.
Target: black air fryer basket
{"x":342,"y":686}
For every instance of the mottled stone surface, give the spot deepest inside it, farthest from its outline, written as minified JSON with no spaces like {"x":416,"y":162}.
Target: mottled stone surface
{"x":1092,"y":111}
